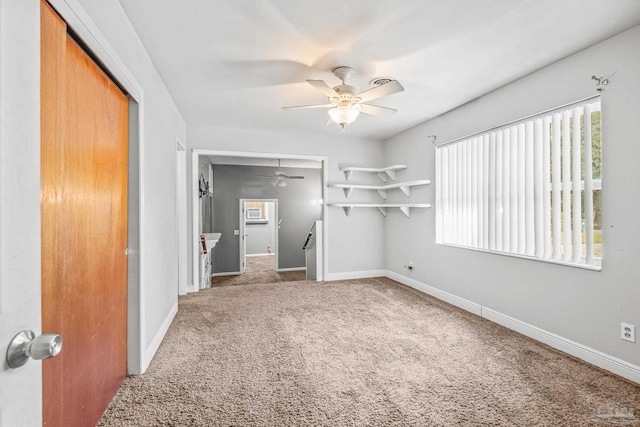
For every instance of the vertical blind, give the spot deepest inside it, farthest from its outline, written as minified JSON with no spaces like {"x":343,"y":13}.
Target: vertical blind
{"x":525,"y":188}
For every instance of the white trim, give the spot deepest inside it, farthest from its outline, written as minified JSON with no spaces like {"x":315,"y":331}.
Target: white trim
{"x":196,"y":152}
{"x":348,"y":275}
{"x":182,"y":232}
{"x":325,"y":220}
{"x":157,"y":340}
{"x":281,"y":270}
{"x":437,"y":293}
{"x":582,"y":352}
{"x":228,"y":273}
{"x":529,"y":257}
{"x":242,"y":225}
{"x":78,"y":20}
{"x":195,"y":221}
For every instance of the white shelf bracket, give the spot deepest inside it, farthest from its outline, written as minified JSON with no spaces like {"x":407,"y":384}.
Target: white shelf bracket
{"x":406,"y":210}
{"x":347,"y":210}
{"x":406,"y":190}
{"x":383,"y":211}
{"x":347,"y":192}
{"x":383,"y":194}
{"x":391,"y":174}
{"x":347,"y":174}
{"x":382,"y":176}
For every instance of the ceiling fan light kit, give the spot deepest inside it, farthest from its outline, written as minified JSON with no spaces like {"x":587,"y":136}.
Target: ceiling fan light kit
{"x":344,"y":115}
{"x":346,"y":103}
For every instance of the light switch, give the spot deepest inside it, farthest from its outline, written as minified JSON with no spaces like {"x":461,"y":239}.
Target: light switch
{"x":236,"y":232}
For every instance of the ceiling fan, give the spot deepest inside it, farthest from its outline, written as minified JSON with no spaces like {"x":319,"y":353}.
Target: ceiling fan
{"x":279,"y":178}
{"x":346,"y":103}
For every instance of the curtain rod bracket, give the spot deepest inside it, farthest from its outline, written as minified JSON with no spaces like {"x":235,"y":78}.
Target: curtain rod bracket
{"x":601,"y":82}
{"x":432,"y":138}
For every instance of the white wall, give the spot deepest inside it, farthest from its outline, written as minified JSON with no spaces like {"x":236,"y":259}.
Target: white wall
{"x":162,"y":123}
{"x":355,"y":243}
{"x":583,"y":306}
{"x":20,"y":389}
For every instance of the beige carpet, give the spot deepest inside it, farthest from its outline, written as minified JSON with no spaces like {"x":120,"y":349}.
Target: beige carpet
{"x":260,"y":263}
{"x":358,"y":353}
{"x":259,"y":269}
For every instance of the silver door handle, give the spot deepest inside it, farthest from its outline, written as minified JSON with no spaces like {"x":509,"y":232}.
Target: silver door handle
{"x":26,"y":345}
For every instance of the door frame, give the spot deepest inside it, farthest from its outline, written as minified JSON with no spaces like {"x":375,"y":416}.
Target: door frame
{"x":195,"y":236}
{"x":181,"y":215}
{"x":91,"y":36}
{"x":243,"y":232}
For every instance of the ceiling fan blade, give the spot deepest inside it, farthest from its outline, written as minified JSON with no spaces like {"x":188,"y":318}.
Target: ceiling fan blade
{"x":265,"y":176}
{"x":379,"y":91}
{"x":376,"y":110}
{"x":323,"y":87}
{"x":299,"y":107}
{"x":294,"y":177}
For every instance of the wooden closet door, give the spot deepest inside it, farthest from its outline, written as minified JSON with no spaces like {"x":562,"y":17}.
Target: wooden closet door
{"x":84,"y":119}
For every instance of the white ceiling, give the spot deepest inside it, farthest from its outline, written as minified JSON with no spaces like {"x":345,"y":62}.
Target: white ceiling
{"x":235,"y":63}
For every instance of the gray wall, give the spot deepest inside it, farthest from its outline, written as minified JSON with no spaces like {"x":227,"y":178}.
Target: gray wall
{"x":298,"y":207}
{"x":261,"y":235}
{"x":581,"y":305}
{"x":349,"y":248}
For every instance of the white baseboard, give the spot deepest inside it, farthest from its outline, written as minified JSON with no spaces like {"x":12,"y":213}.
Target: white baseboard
{"x":590,"y":355}
{"x":348,"y":275}
{"x":229,"y":273}
{"x":435,"y":292}
{"x":264,"y":254}
{"x":157,"y":340}
{"x":281,"y":270}
{"x":582,"y":352}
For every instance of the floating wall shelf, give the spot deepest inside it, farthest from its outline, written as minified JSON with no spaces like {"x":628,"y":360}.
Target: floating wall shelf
{"x":405,"y":187}
{"x":382,"y":207}
{"x":383,"y":173}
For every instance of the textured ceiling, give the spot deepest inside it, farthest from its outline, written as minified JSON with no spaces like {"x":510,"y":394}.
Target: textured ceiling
{"x":235,"y":63}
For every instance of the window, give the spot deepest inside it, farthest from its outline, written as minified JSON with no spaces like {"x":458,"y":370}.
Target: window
{"x":254,"y":213}
{"x":529,"y":188}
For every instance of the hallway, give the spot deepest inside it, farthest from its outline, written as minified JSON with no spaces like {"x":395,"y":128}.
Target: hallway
{"x":259,"y":270}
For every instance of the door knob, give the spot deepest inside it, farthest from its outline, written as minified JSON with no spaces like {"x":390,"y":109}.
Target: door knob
{"x":26,"y":345}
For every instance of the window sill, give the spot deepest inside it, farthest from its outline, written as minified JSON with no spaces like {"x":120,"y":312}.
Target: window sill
{"x":549,"y":261}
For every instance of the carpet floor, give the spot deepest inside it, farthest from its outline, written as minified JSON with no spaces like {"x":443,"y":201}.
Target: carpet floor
{"x":367,"y":352}
{"x":260,"y":263}
{"x":259,"y":270}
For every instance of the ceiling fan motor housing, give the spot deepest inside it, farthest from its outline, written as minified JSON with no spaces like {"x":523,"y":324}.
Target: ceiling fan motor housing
{"x":346,"y":90}
{"x":346,"y":101}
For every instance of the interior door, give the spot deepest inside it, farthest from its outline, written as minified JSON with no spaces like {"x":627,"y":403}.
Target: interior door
{"x":84,"y":131}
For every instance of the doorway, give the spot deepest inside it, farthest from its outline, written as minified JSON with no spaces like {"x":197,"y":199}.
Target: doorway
{"x":84,"y":206}
{"x":259,"y":223}
{"x":248,"y":175}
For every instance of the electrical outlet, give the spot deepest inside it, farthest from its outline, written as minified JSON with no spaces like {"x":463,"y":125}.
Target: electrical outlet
{"x":409,"y":266}
{"x":628,"y":332}
{"x":236,"y":232}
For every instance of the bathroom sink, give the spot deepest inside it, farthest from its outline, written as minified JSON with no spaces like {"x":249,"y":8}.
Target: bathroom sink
{"x":211,"y":239}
